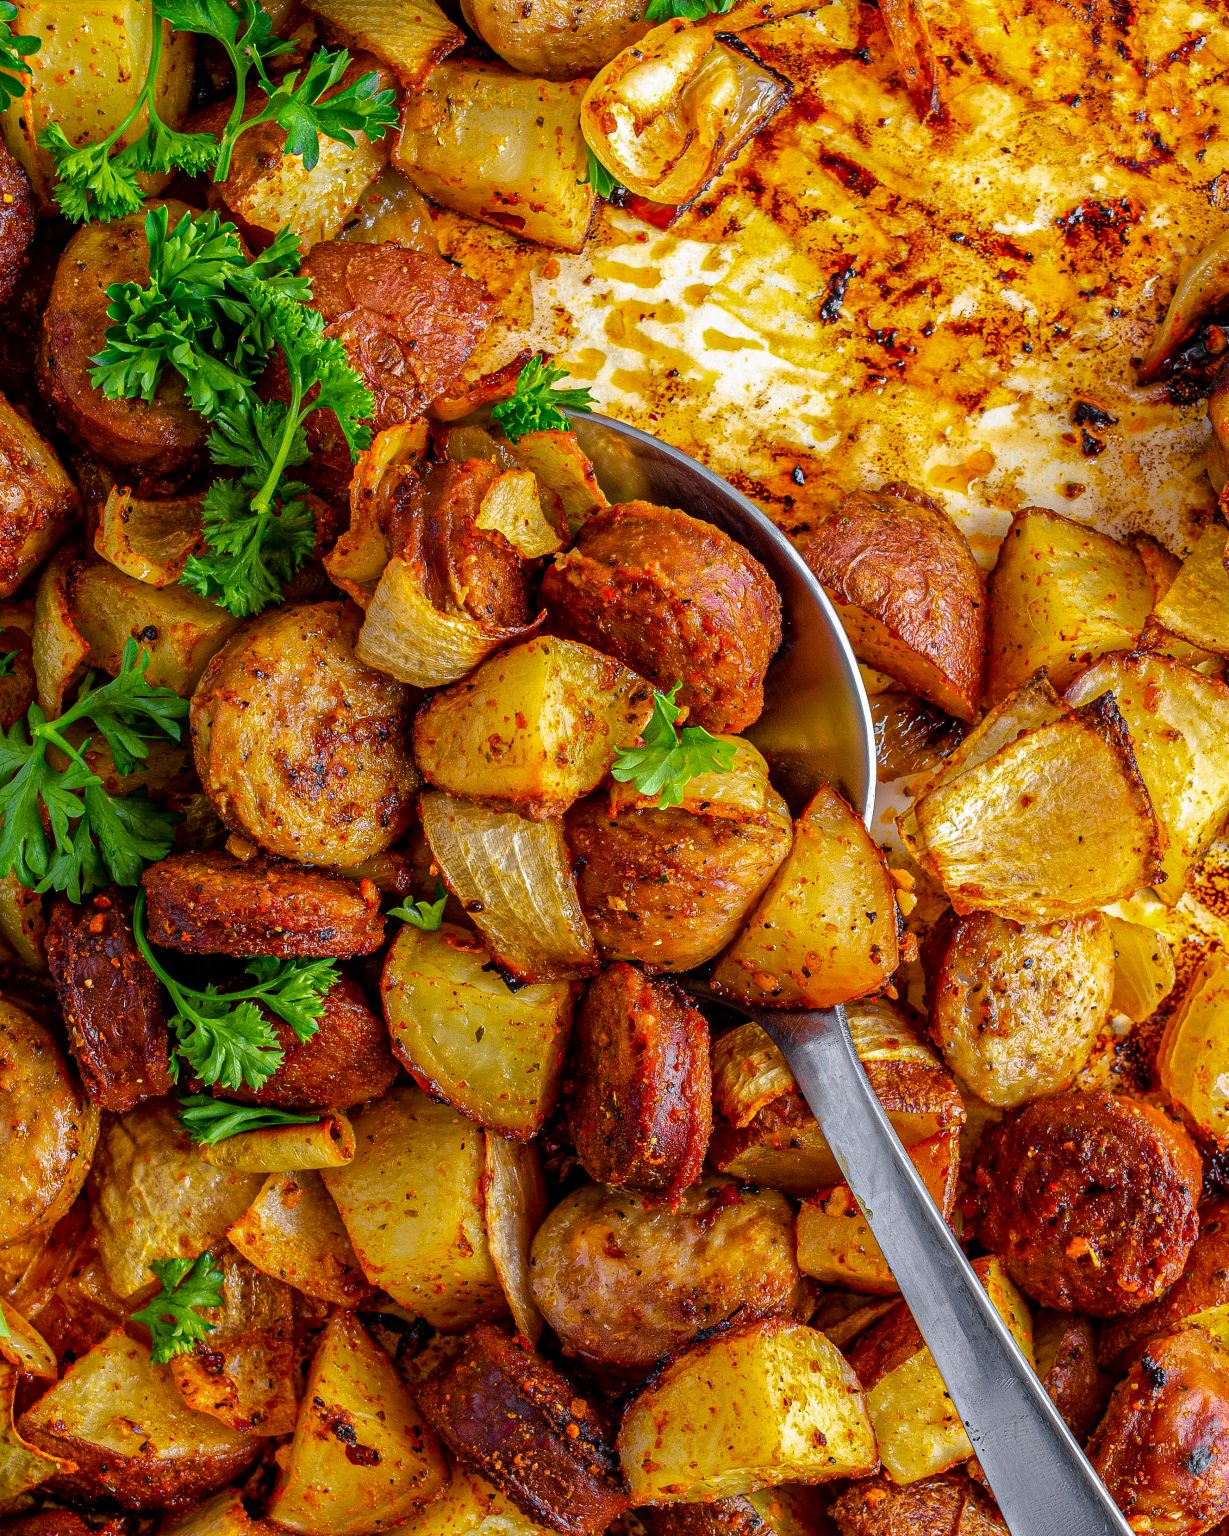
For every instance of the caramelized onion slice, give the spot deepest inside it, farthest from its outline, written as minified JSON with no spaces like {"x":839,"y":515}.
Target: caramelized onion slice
{"x":665,"y":115}
{"x":513,"y":508}
{"x":146,"y":538}
{"x":515,"y":1207}
{"x":325,"y":1143}
{"x":514,"y":879}
{"x":1203,"y":289}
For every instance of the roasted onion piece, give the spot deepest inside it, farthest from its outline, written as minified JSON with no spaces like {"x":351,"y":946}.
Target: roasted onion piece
{"x":1202,"y":291}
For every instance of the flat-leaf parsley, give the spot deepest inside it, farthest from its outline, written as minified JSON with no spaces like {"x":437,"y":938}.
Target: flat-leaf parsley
{"x":667,"y":760}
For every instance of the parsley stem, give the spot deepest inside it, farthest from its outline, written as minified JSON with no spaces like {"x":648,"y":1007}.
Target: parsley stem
{"x":264,"y":496}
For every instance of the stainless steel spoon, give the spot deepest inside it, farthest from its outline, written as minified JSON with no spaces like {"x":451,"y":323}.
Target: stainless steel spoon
{"x":816,"y":726}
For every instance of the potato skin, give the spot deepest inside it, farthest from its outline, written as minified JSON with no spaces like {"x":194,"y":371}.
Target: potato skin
{"x":1162,"y":1449}
{"x":936,"y":1506}
{"x":557,"y":39}
{"x":1082,"y":1175}
{"x":298,"y":745}
{"x":1066,"y":1353}
{"x":507,"y":1414}
{"x":640,"y":1091}
{"x":211,"y":903}
{"x":625,"y":1281}
{"x":110,"y":1000}
{"x":163,"y":438}
{"x":676,"y":600}
{"x":38,"y":501}
{"x":908,"y":590}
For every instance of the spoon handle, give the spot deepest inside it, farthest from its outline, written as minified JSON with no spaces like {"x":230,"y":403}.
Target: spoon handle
{"x":1044,"y":1484}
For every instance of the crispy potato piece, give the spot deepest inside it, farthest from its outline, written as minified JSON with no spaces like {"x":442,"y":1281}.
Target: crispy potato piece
{"x":1061,"y":594}
{"x":1196,"y":606}
{"x":413,"y":1201}
{"x":110,"y":1001}
{"x":1162,"y":1449}
{"x":640,"y":1094}
{"x":470,"y":1506}
{"x":1016,"y":1009}
{"x":1179,"y":725}
{"x":223,"y":1515}
{"x":299,"y":746}
{"x":827,"y":929}
{"x":515,"y":1194}
{"x":153,"y":1197}
{"x":763,"y":1130}
{"x":1190,"y":1063}
{"x":938,"y":1506}
{"x":626,"y":1280}
{"x":918,"y":1428}
{"x":1066,"y":1353}
{"x":362,"y":1458}
{"x":210,"y":903}
{"x":502,"y":1410}
{"x":294,"y":1232}
{"x":242,"y":1374}
{"x":533,"y":728}
{"x":670,"y":888}
{"x":493,"y":1051}
{"x":835,"y":1244}
{"x":907,"y":591}
{"x":38,"y":498}
{"x":48,"y":1128}
{"x":556,"y":43}
{"x":1162,"y":568}
{"x":1054,"y":824}
{"x":1144,"y":971}
{"x":769,"y":1403}
{"x":411,"y":36}
{"x":90,"y":1416}
{"x":675,"y":599}
{"x":1089,"y":1198}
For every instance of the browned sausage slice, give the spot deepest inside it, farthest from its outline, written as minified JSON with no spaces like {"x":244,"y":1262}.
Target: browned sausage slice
{"x":936,"y":1506}
{"x":110,"y":1000}
{"x":640,"y":1094}
{"x":213,"y":904}
{"x":506,"y":1413}
{"x":18,"y":220}
{"x":38,"y":501}
{"x":1089,"y":1199}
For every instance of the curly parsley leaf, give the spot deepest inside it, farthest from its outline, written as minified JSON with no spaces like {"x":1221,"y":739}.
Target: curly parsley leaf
{"x":603,"y":182}
{"x":687,"y":10}
{"x":667,"y":759}
{"x":15,"y":49}
{"x":426,"y":916}
{"x":536,"y":405}
{"x":188,"y":1285}
{"x":208,"y":1121}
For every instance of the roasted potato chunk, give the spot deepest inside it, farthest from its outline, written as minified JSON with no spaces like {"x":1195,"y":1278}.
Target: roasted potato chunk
{"x":533,"y":728}
{"x":1089,"y":1199}
{"x":1196,"y":605}
{"x":164,"y":438}
{"x":557,"y":40}
{"x":1191,"y":1060}
{"x":625,"y":1280}
{"x":1061,"y":594}
{"x":48,"y":1129}
{"x":908,"y":592}
{"x":1066,"y":1354}
{"x":504,"y":1412}
{"x":110,"y":1000}
{"x":299,"y":746}
{"x":772,"y":1402}
{"x":936,"y":1506}
{"x":210,"y":903}
{"x":38,"y":499}
{"x":640,"y":1096}
{"x":1162,"y":1449}
{"x":676,"y":600}
{"x":294,"y":1232}
{"x":1016,"y":1009}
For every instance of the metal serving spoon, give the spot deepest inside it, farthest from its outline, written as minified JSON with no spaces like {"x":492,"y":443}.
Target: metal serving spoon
{"x":816,"y":726}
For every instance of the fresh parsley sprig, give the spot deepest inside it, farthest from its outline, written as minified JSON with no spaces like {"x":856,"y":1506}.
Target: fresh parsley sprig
{"x":667,"y":760}
{"x":60,"y":828}
{"x":4,"y":1326}
{"x":603,"y":182}
{"x":225,"y":1037}
{"x":98,"y":181}
{"x":187,"y":1284}
{"x":6,"y":664}
{"x":208,"y":1120}
{"x":15,"y":49}
{"x":535,"y":406}
{"x":687,"y":10}
{"x":426,"y":916}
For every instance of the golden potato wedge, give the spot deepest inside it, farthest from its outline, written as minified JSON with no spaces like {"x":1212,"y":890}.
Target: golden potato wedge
{"x":294,"y":1232}
{"x":1060,"y":595}
{"x":410,"y":36}
{"x":493,"y":1051}
{"x":1144,"y":972}
{"x":1196,"y":606}
{"x":835,"y":1244}
{"x":763,"y":1130}
{"x":413,"y":1201}
{"x":533,"y":728}
{"x":1055,"y":824}
{"x":1162,"y":568}
{"x":223,"y":1515}
{"x":827,"y":929}
{"x":515,"y":1205}
{"x":1179,"y":725}
{"x":132,"y":1437}
{"x":1017,"y":1008}
{"x":907,"y":591}
{"x":1193,"y":1061}
{"x":363,"y":1457}
{"x":915,"y":1421}
{"x":470,"y":1506}
{"x":773,"y":1402}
